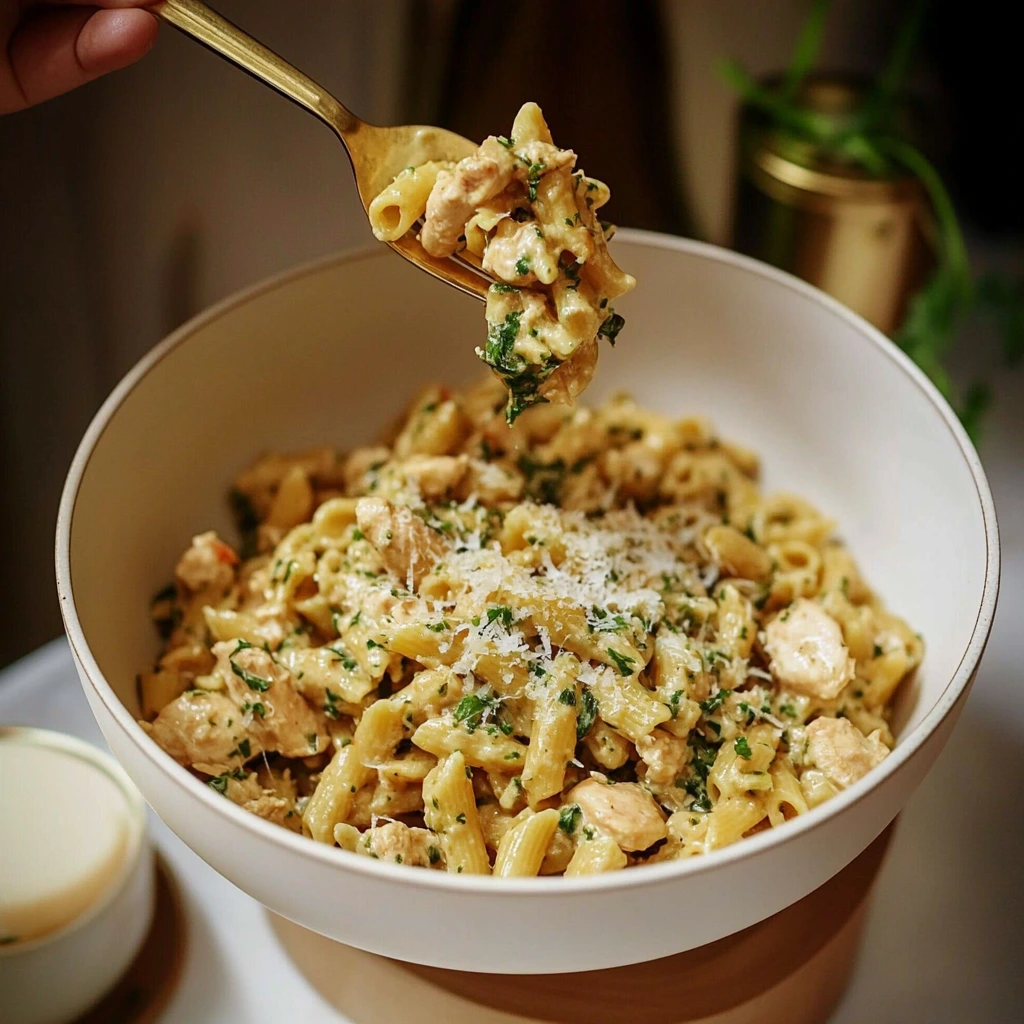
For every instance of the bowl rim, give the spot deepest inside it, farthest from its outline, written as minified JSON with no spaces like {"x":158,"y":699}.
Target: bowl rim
{"x":651,"y":874}
{"x":72,"y":746}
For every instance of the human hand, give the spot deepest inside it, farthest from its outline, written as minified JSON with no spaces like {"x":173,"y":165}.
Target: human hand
{"x":49,"y":48}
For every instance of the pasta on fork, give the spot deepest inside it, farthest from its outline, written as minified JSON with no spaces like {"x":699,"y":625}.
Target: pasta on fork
{"x":518,"y":205}
{"x":580,"y":644}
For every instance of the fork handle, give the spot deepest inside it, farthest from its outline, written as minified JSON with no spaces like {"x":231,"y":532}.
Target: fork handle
{"x":227,"y":40}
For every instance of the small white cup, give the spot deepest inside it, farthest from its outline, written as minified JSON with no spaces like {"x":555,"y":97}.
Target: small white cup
{"x":56,"y":977}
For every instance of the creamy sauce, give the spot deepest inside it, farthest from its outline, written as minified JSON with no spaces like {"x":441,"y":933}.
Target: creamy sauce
{"x":64,"y":830}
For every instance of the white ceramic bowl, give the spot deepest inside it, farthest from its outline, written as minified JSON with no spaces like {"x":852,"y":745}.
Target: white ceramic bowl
{"x":58,"y":976}
{"x":331,"y":352}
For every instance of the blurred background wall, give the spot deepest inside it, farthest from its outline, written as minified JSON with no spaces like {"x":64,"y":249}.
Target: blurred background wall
{"x":129,"y":205}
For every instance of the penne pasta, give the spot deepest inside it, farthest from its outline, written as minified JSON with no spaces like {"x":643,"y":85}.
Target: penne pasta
{"x":580,"y":644}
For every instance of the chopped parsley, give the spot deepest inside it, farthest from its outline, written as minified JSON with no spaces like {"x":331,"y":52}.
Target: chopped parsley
{"x":523,"y":266}
{"x":522,"y":379}
{"x":623,"y":662}
{"x":701,"y":763}
{"x":476,"y":708}
{"x":567,"y":697}
{"x":601,"y":621}
{"x":569,"y":818}
{"x":587,"y":713}
{"x":220,"y":783}
{"x":331,"y":709}
{"x":243,"y":750}
{"x":610,"y":328}
{"x":256,"y":707}
{"x":433,"y":854}
{"x":502,"y":614}
{"x":714,"y":702}
{"x":533,"y":174}
{"x":344,"y":656}
{"x":460,"y":818}
{"x":254,"y":682}
{"x":438,"y":627}
{"x":742,"y":747}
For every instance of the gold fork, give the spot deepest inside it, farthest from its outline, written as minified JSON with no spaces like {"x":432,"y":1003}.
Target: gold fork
{"x":377,"y":154}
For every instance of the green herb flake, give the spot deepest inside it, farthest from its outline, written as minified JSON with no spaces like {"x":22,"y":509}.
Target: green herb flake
{"x":501,"y":614}
{"x":253,"y":681}
{"x":610,"y":327}
{"x":714,"y":702}
{"x":569,"y":818}
{"x":330,"y":708}
{"x":673,"y":702}
{"x":567,"y":697}
{"x":342,"y":654}
{"x":622,"y":662}
{"x":587,"y":714}
{"x":220,"y":783}
{"x":742,"y":747}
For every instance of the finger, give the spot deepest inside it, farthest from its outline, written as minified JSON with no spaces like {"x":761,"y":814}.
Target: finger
{"x":108,"y":4}
{"x":58,"y":50}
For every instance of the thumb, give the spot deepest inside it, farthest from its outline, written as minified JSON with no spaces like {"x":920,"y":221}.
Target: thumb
{"x":61,"y":48}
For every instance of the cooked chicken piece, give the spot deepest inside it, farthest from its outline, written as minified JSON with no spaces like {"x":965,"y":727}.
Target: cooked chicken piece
{"x":288,"y":724}
{"x":360,"y":462}
{"x":244,"y":788}
{"x":435,"y":476}
{"x":208,"y":562}
{"x":401,"y":844}
{"x":807,"y":652}
{"x":458,"y":192}
{"x":624,"y":811}
{"x":518,"y":252}
{"x":201,"y":727}
{"x":275,"y":809}
{"x":842,"y":751}
{"x":408,"y":547}
{"x":664,"y":754}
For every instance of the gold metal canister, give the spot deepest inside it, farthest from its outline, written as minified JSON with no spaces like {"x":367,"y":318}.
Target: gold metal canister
{"x":862,"y":239}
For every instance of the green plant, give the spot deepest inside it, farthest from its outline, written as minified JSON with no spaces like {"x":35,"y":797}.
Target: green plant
{"x":870,"y":139}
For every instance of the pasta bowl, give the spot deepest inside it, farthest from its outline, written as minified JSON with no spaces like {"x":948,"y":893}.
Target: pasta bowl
{"x":329,"y":353}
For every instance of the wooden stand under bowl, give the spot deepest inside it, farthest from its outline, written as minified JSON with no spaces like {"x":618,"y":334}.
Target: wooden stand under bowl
{"x":789,"y":969}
